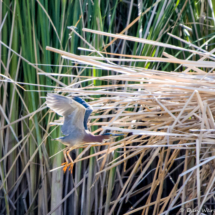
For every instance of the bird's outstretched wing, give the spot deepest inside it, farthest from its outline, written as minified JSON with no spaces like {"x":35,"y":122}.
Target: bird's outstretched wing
{"x":88,"y":108}
{"x":72,"y":111}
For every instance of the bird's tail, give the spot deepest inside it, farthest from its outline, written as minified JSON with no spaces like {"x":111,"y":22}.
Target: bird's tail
{"x":59,"y":138}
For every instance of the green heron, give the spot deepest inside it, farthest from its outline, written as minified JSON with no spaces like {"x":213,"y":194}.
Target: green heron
{"x":76,"y":113}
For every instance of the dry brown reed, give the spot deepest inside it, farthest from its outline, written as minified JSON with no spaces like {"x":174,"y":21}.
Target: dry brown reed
{"x":170,"y":116}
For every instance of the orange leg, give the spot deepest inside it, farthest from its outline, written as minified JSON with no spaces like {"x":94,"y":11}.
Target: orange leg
{"x":68,"y":155}
{"x":66,"y":164}
{"x":64,"y":153}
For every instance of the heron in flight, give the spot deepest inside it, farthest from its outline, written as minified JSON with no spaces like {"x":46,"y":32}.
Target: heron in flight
{"x":76,"y":113}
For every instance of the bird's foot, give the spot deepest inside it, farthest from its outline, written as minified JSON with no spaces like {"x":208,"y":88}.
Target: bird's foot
{"x":66,"y":165}
{"x":71,"y":167}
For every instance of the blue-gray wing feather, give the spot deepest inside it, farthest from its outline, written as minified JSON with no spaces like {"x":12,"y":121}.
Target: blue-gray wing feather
{"x":72,"y":111}
{"x":88,"y":108}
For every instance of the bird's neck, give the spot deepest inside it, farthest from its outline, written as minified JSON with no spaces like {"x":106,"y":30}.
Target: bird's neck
{"x":89,"y":138}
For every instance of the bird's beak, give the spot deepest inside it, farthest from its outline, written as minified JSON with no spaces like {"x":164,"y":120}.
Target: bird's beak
{"x":113,"y":135}
{"x":118,"y":135}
